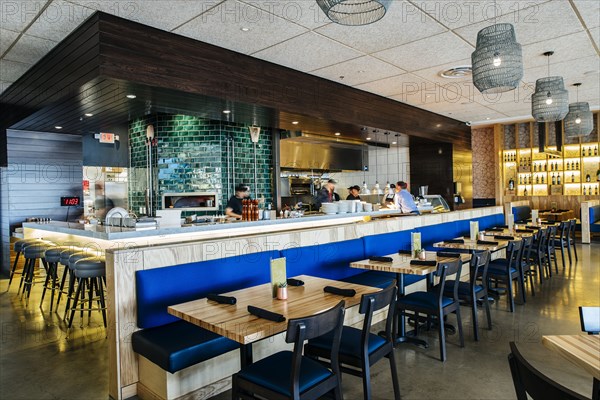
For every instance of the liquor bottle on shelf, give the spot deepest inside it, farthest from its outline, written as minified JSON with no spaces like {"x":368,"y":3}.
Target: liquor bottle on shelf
{"x":553,"y":179}
{"x":584,"y":190}
{"x":596,"y":191}
{"x":544,"y":165}
{"x":573,"y":178}
{"x":589,"y":151}
{"x":596,"y":152}
{"x":520,"y":180}
{"x":569,"y":165}
{"x":577,"y":166}
{"x":511,"y":184}
{"x":537,"y":179}
{"x":588,"y":178}
{"x":558,"y":179}
{"x":525,"y":192}
{"x":542,"y":178}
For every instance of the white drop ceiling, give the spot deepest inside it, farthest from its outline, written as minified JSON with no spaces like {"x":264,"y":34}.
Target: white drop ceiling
{"x":399,"y":57}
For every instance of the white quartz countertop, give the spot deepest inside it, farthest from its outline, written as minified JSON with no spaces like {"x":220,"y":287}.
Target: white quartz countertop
{"x":105,"y":232}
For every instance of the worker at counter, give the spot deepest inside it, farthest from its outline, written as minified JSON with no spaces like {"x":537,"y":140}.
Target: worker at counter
{"x":326,"y":195}
{"x":404,"y":200}
{"x":354,"y":191}
{"x":234,"y":205}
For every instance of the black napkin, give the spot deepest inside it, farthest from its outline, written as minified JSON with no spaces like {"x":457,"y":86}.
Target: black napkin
{"x":294,"y":282}
{"x":427,"y":263}
{"x":504,"y":237}
{"x":547,"y":223}
{"x":405,"y":252}
{"x":447,"y":254}
{"x":338,"y":291}
{"x":261,"y":313}
{"x":487,"y":242}
{"x":381,"y":259}
{"x":221,"y":299}
{"x":458,"y":241}
{"x":495,"y":229}
{"x":525,"y":230}
{"x":501,"y":227}
{"x":532,"y":227}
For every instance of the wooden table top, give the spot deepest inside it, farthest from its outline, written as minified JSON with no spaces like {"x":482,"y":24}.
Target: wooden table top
{"x":472,"y":245}
{"x":401,"y":264}
{"x":582,"y":350}
{"x":236,"y":323}
{"x":507,"y":232}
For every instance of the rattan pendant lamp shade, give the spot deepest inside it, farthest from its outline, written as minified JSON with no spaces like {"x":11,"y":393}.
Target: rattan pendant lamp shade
{"x":550,"y":101}
{"x":579,"y":121}
{"x":354,"y":12}
{"x":497,"y":60}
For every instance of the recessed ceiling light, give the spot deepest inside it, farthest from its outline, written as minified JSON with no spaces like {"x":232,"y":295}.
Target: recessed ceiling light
{"x":368,"y":138}
{"x":361,"y":71}
{"x":438,"y":125}
{"x":394,"y":142}
{"x":58,"y":127}
{"x":244,"y":29}
{"x":295,"y":122}
{"x":226,"y":111}
{"x":487,"y":117}
{"x":337,"y":134}
{"x":457,"y":72}
{"x":89,"y":114}
{"x":131,"y":96}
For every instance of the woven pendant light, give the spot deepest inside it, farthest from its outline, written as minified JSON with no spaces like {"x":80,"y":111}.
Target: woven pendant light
{"x":579,"y":121}
{"x":550,"y":102}
{"x":497,"y":60}
{"x":354,"y":12}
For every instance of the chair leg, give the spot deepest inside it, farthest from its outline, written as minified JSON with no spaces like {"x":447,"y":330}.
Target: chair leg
{"x":12,"y":271}
{"x":48,"y":273}
{"x":568,"y":249}
{"x":575,"y":249}
{"x":488,"y":315}
{"x":511,"y":300}
{"x":555,"y":261}
{"x":62,"y":285}
{"x":442,"y":336}
{"x":395,"y":384}
{"x":102,"y":301}
{"x":337,"y":393}
{"x":540,"y":269}
{"x":460,"y":327}
{"x":475,"y":318}
{"x":80,"y":284}
{"x":366,"y":378}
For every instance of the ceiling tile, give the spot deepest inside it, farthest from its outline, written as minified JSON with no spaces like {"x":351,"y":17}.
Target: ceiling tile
{"x":595,"y":33}
{"x":570,"y":71}
{"x":29,"y":49}
{"x":4,"y":85}
{"x":535,"y":24}
{"x":433,"y":74}
{"x":358,"y":70}
{"x":568,"y":47}
{"x":308,"y":52}
{"x":396,"y":85}
{"x":11,"y":71}
{"x":589,"y":11}
{"x":16,"y":15}
{"x":305,"y":13}
{"x":512,"y":109}
{"x":402,"y":24}
{"x":424,"y":53}
{"x":165,"y":15}
{"x":58,"y":20}
{"x":6,"y":39}
{"x":455,"y":14}
{"x":223,"y":25}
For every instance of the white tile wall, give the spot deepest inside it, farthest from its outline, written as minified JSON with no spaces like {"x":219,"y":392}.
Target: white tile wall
{"x":385,"y":165}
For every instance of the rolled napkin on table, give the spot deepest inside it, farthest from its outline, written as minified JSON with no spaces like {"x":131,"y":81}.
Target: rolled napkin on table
{"x":525,"y":230}
{"x":457,"y":241}
{"x":381,"y":259}
{"x":294,"y":282}
{"x":504,"y":237}
{"x":265,"y":314}
{"x":497,"y":229}
{"x":487,"y":242}
{"x":340,"y":292}
{"x":221,"y":299}
{"x":501,"y":227}
{"x":548,"y":223}
{"x":532,"y":227}
{"x":447,"y":254}
{"x":427,"y":263}
{"x":405,"y":252}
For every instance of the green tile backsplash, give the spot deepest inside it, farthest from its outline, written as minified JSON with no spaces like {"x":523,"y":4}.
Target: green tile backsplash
{"x":191,"y":155}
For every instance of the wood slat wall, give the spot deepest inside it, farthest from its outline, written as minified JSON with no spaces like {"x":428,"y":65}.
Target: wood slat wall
{"x":42,"y":167}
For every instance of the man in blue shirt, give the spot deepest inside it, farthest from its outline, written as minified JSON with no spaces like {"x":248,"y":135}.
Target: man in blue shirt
{"x":404,"y":200}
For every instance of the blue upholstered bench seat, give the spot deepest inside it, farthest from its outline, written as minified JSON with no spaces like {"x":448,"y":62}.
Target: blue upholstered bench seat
{"x":179,"y":345}
{"x":521,"y":213}
{"x":380,"y":279}
{"x":595,"y":219}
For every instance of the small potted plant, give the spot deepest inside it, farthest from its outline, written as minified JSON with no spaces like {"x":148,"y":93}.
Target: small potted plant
{"x":420,"y":254}
{"x":282,"y":291}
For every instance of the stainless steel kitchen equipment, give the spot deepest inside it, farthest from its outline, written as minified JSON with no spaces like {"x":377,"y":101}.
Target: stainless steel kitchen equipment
{"x":191,"y":201}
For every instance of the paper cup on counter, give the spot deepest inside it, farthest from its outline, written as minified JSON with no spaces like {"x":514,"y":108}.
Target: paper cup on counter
{"x":368,"y":207}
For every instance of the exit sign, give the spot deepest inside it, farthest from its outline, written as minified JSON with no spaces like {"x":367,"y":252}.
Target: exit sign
{"x":107,"y":137}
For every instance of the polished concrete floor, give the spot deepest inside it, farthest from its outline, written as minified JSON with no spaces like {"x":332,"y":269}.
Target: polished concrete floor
{"x":38,"y":360}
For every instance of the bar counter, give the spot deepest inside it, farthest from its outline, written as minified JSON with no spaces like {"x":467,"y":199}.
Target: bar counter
{"x":128,"y":251}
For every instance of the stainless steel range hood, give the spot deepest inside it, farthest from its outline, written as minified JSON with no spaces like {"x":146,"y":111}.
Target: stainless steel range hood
{"x":305,"y":151}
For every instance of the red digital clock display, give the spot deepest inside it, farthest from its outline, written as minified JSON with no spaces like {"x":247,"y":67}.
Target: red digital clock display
{"x":69,"y":201}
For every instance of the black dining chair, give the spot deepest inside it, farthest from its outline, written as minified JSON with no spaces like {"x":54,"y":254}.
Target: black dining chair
{"x":433,"y":303}
{"x":359,"y":348}
{"x":538,"y":252}
{"x":528,"y":264}
{"x":289,"y":374}
{"x":529,"y":381}
{"x":571,"y":236}
{"x":506,"y":270}
{"x":551,"y":249}
{"x":562,"y":240}
{"x":469,"y":293}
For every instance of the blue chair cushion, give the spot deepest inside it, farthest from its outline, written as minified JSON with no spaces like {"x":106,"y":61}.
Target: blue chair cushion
{"x":423,"y":300}
{"x":350,"y":346}
{"x":498,"y":267}
{"x":274,"y":373}
{"x":176,"y":346}
{"x":464,"y":288}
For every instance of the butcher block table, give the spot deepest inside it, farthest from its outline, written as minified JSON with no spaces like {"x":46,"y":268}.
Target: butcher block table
{"x":557,"y":216}
{"x":581,"y":350}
